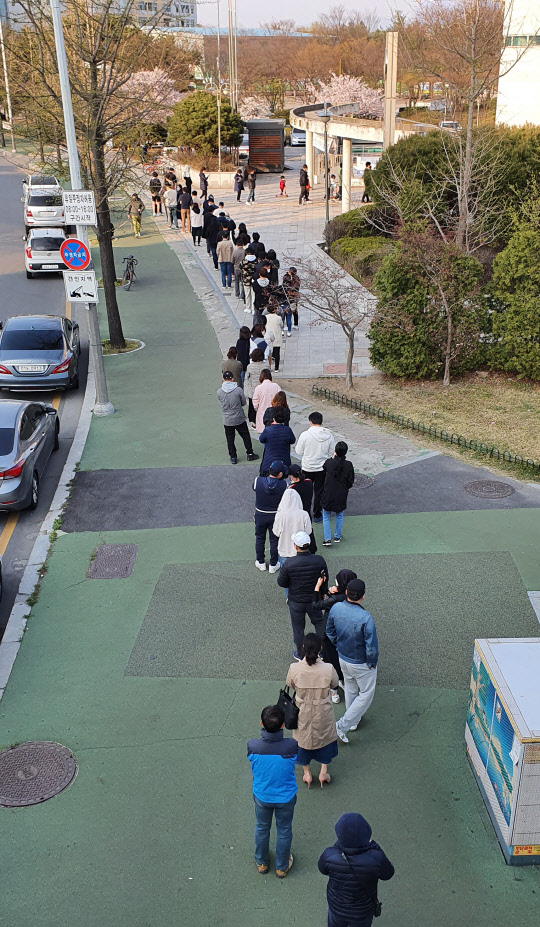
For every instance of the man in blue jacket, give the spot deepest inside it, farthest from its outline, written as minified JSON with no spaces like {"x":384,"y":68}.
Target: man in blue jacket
{"x":272,"y":758}
{"x":352,"y":631}
{"x":268,"y":492}
{"x":354,"y":864}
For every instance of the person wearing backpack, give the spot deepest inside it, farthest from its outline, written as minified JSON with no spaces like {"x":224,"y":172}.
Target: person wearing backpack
{"x":354,"y":864}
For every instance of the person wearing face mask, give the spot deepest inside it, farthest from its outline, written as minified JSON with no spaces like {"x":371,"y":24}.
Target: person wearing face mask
{"x":247,"y":270}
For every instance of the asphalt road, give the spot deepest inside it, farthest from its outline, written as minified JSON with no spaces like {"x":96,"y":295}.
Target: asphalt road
{"x":19,"y":296}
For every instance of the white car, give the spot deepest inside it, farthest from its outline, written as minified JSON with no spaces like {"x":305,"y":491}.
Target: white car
{"x":42,"y":251}
{"x":43,"y":206}
{"x":450,"y":125}
{"x":40,"y":180}
{"x":298,"y":138}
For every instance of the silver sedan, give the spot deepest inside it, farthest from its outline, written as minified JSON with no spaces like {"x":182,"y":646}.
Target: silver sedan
{"x":39,"y":352}
{"x":28,"y":434}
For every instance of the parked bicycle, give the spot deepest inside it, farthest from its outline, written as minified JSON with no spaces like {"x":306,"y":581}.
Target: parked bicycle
{"x":129,"y":271}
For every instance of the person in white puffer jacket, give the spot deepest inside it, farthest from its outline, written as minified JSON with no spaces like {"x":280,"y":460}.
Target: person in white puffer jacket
{"x":315,"y":446}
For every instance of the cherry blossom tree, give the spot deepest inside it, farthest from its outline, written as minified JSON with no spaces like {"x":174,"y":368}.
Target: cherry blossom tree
{"x":254,"y":108}
{"x":151,"y":92}
{"x":343,"y":88}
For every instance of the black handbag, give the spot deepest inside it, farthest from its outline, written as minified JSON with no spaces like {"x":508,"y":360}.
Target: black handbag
{"x":287,"y":703}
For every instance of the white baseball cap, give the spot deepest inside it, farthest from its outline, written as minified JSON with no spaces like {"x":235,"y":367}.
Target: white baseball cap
{"x":301,"y":539}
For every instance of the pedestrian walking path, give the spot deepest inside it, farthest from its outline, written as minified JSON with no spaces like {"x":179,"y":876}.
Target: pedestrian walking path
{"x":156,"y":680}
{"x":292,"y":231}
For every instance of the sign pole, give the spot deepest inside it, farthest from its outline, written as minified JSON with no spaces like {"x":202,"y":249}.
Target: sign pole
{"x":102,"y":405}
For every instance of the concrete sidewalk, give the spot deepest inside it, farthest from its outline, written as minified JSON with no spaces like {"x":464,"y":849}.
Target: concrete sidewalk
{"x":292,"y":231}
{"x":155,"y":681}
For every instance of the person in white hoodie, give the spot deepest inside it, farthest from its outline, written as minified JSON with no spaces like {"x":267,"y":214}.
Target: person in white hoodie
{"x":315,"y":446}
{"x":290,"y":518}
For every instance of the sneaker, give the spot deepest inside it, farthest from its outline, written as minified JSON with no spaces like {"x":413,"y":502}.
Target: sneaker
{"x":281,"y":873}
{"x":273,"y":568}
{"x":354,"y":727}
{"x":260,"y":566}
{"x":233,"y":460}
{"x":262,"y":868}
{"x":248,"y":311}
{"x":337,"y":540}
{"x":252,"y":456}
{"x":343,"y":737}
{"x":288,"y":334}
{"x":327,"y":543}
{"x":317,"y":521}
{"x":335,"y":696}
{"x":295,"y":327}
{"x":295,"y":655}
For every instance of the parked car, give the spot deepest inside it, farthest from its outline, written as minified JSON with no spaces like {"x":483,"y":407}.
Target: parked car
{"x":40,"y":180}
{"x":243,"y":148}
{"x":39,"y":352}
{"x":42,"y":251}
{"x":29,"y":432}
{"x":43,"y":206}
{"x":297,"y":137}
{"x":451,"y":125}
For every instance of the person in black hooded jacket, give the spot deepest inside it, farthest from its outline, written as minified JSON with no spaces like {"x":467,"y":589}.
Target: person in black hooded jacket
{"x":337,"y":593}
{"x":339,"y":478}
{"x":354,"y":864}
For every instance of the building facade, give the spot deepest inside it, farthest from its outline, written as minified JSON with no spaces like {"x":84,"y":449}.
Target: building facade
{"x":518,"y":96}
{"x":172,"y":13}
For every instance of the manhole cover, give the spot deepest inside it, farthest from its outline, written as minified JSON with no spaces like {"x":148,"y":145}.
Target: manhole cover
{"x":33,"y":772}
{"x":361,"y":481}
{"x":489,"y":489}
{"x":113,"y":561}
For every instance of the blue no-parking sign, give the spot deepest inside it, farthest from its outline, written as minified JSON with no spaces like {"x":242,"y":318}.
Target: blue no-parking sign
{"x":75,"y":254}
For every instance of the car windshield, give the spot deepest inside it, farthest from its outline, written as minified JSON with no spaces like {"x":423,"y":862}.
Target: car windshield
{"x":34,"y":339}
{"x":7,"y":436}
{"x":44,"y":199}
{"x":48,"y":243}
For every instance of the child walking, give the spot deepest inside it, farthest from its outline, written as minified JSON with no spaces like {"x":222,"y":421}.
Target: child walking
{"x":282,"y":187}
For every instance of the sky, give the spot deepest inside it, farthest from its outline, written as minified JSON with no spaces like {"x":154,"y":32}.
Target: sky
{"x":251,"y":13}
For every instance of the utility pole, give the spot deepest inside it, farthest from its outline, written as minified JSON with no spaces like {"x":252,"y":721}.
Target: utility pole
{"x":219,"y":87}
{"x":102,"y":405}
{"x":8,"y":95}
{"x":325,"y":119}
{"x":390,"y":84}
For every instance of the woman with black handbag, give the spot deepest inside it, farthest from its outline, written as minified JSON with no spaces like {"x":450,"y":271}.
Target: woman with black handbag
{"x":354,"y":865}
{"x":316,"y":732}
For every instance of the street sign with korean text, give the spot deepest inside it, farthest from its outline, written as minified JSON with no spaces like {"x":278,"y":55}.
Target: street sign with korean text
{"x":81,"y":286}
{"x":79,"y":207}
{"x":75,"y":254}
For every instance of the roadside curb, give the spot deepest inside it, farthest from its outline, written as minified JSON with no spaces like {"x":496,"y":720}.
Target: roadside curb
{"x":18,"y":617}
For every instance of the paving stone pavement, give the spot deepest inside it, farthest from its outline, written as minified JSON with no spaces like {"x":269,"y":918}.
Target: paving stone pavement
{"x":292,"y":231}
{"x":371,"y":449}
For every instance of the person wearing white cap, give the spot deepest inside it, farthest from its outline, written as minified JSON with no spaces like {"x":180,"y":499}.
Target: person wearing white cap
{"x":299,"y":575}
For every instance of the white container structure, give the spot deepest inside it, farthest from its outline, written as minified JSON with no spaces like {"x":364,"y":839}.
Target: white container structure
{"x":503,"y":741}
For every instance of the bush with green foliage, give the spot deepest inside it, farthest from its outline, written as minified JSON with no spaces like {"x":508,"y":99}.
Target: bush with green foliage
{"x":194,"y":123}
{"x":415,"y":286}
{"x":357,"y":223}
{"x":516,"y":284}
{"x":362,"y":257}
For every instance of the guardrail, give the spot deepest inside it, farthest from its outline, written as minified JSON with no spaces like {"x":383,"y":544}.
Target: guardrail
{"x":431,"y":431}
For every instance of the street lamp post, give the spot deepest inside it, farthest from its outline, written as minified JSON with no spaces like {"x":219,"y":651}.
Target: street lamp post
{"x":8,"y":95}
{"x":325,"y":118}
{"x":219,"y":88}
{"x":102,"y":405}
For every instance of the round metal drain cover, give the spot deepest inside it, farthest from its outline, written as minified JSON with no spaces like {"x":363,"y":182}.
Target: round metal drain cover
{"x":489,"y":489}
{"x":33,"y":772}
{"x":361,"y":481}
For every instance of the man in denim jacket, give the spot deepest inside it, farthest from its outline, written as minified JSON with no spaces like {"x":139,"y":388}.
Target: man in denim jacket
{"x":352,"y":631}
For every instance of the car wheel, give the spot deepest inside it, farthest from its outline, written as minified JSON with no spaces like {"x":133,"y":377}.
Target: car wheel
{"x":56,"y":444}
{"x":34,"y":492}
{"x":29,"y":276}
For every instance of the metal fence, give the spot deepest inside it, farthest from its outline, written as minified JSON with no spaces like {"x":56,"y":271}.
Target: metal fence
{"x":430,"y":431}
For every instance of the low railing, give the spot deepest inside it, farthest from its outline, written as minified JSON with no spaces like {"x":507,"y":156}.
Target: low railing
{"x":430,"y":431}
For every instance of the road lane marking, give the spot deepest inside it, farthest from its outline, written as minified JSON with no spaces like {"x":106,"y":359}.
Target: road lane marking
{"x":9,"y":528}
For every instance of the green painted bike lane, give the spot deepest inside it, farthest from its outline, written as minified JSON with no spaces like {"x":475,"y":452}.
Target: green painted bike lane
{"x":139,"y":677}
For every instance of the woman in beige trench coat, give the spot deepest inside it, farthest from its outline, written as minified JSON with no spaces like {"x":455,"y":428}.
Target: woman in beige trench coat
{"x":316,"y":732}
